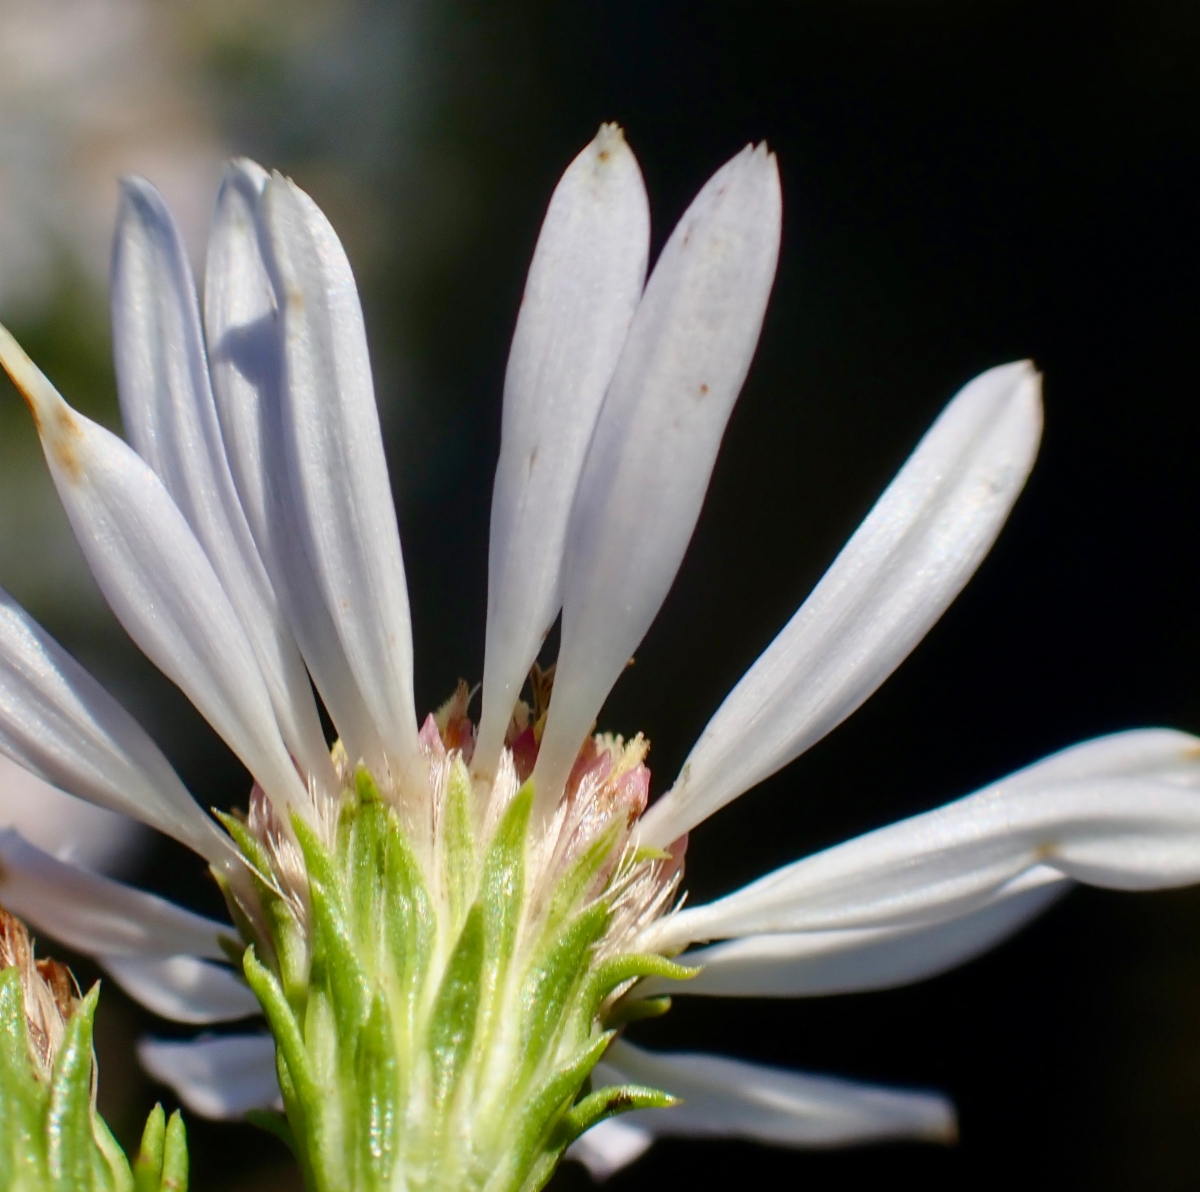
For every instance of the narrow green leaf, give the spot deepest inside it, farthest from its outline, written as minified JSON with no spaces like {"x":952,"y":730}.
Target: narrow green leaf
{"x":70,"y":1147}
{"x":175,"y":1156}
{"x":502,"y":886}
{"x":291,"y":952}
{"x":251,"y":847}
{"x":118,"y":1177}
{"x":147,"y":1167}
{"x":284,"y":1027}
{"x":456,"y":1008}
{"x":612,"y":973}
{"x":550,"y":981}
{"x":410,"y":928}
{"x":364,"y":846}
{"x":365,"y":786}
{"x":23,"y":1098}
{"x":334,"y":955}
{"x":605,"y":1103}
{"x":458,"y":838}
{"x":376,"y":1088}
{"x":335,"y":960}
{"x":544,"y":1109}
{"x":636,"y":1010}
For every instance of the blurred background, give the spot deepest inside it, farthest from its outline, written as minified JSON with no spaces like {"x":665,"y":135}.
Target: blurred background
{"x":964,"y":184}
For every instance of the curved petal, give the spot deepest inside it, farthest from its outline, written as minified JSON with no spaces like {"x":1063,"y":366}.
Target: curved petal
{"x":171,"y":421}
{"x":156,"y":577}
{"x":223,"y":1077}
{"x":67,"y":828}
{"x":609,"y":1146}
{"x":183,"y":988}
{"x":336,"y":463}
{"x":95,"y":915}
{"x":1128,"y":833}
{"x":60,"y":724}
{"x":587,"y":274}
{"x":813,"y":964}
{"x":895,"y":577}
{"x":246,"y":362}
{"x":643,"y":483}
{"x":724,"y":1098}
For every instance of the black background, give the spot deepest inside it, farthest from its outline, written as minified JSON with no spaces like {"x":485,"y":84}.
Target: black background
{"x":965,"y":183}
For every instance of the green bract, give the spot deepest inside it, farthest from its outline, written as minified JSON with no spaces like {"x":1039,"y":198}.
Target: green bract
{"x":51,"y":1137}
{"x":437,"y":1009}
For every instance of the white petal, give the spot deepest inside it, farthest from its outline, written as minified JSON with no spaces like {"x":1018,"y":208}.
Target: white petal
{"x":899,"y":572}
{"x":336,"y":462}
{"x":171,"y":421}
{"x":584,"y":283}
{"x":183,"y":988}
{"x":812,"y":964}
{"x":1126,"y":832}
{"x":609,"y":1146}
{"x":724,"y":1098}
{"x":246,"y":361}
{"x":685,"y":358}
{"x":244,"y":352}
{"x":1159,"y":753}
{"x":67,"y":828}
{"x":59,"y":723}
{"x":222,"y":1078}
{"x":96,"y":915}
{"x":156,"y":576}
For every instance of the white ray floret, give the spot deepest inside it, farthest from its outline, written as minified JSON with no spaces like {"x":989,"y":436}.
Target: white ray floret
{"x":183,"y":988}
{"x":895,"y":577}
{"x":724,"y":1098}
{"x":335,"y":458}
{"x":818,"y":963}
{"x":68,"y":828}
{"x":652,"y":453}
{"x":583,"y":286}
{"x":1129,"y":833}
{"x":60,"y":724}
{"x":156,"y":577}
{"x":171,"y":421}
{"x":96,"y":915}
{"x":223,"y":1077}
{"x":246,"y":365}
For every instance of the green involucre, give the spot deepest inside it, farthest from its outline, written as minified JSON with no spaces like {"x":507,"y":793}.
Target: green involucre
{"x":440,"y":1025}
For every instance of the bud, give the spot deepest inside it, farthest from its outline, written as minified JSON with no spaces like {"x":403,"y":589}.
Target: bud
{"x":51,"y":1137}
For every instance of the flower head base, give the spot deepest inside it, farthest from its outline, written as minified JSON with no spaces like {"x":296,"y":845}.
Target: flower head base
{"x":51,"y":1137}
{"x":442,"y":973}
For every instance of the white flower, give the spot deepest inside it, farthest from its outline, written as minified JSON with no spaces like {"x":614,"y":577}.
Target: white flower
{"x":250,"y":543}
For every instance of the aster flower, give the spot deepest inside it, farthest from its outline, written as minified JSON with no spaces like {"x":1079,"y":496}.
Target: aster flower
{"x":445,"y":928}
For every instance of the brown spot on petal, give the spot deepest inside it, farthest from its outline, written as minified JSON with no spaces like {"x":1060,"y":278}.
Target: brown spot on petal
{"x":63,"y":441}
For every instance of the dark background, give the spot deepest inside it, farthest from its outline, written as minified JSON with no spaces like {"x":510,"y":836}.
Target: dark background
{"x":965,"y":183}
